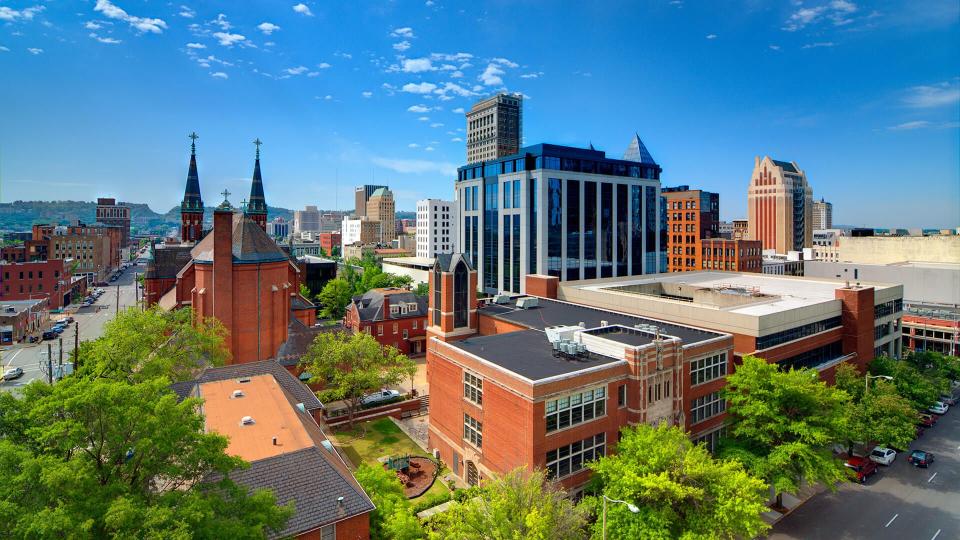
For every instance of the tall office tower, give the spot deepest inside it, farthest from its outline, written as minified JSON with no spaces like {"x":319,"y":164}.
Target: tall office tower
{"x":495,"y":128}
{"x":436,"y":227}
{"x":780,"y":206}
{"x":116,"y":215}
{"x":822,"y":215}
{"x":191,"y":208}
{"x":380,"y":207}
{"x":306,"y":220}
{"x":572,"y":213}
{"x":692,"y":216}
{"x":361,"y":195}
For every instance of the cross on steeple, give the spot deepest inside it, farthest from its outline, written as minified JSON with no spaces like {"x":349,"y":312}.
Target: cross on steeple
{"x":258,"y":142}
{"x":193,"y":144}
{"x":225,"y":194}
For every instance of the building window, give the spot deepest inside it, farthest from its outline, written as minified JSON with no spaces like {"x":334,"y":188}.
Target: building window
{"x":328,"y":532}
{"x":472,"y":430}
{"x":573,"y":457}
{"x":621,"y":395}
{"x":396,"y":328}
{"x":707,"y":406}
{"x":473,"y":388}
{"x":575,"y":409}
{"x":461,"y":295}
{"x":379,"y":329}
{"x":711,"y":440}
{"x":414,"y":324}
{"x":708,"y":369}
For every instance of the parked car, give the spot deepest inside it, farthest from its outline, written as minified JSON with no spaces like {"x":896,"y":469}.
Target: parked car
{"x":49,"y":334}
{"x":927,"y":420}
{"x":379,"y":397}
{"x":949,"y":401}
{"x":920,"y":458}
{"x":883,"y":456}
{"x":13,"y":373}
{"x":863,"y":467}
{"x":938,"y":408}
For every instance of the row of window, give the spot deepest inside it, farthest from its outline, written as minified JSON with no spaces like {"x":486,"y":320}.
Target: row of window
{"x":575,"y":408}
{"x":706,"y":407}
{"x":605,"y":167}
{"x":708,"y":369}
{"x":798,"y":332}
{"x":472,"y":430}
{"x":573,"y":457}
{"x":56,"y":274}
{"x":888,"y":308}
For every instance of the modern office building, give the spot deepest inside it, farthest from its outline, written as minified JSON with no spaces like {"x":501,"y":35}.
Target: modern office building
{"x":780,"y":206}
{"x":278,"y":228}
{"x":115,"y":215}
{"x":361,"y":195}
{"x":306,"y":220}
{"x":572,"y":213}
{"x":382,"y":208}
{"x":495,"y":128}
{"x":363,"y":231}
{"x":692,"y":216}
{"x":436,"y":227}
{"x":822,"y":215}
{"x":731,"y":255}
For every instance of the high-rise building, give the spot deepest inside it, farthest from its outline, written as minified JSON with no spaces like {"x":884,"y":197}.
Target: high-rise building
{"x":256,"y":207}
{"x":381,"y":207}
{"x":822,"y":215}
{"x":306,"y":220}
{"x":191,"y":209}
{"x":495,"y":128}
{"x":567,"y":212}
{"x":436,"y":227}
{"x":278,"y":228}
{"x":115,"y":215}
{"x":361,"y":195}
{"x":780,"y":206}
{"x":692,"y":216}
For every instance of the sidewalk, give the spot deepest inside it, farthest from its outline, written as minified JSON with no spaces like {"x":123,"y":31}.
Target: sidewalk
{"x":791,"y":502}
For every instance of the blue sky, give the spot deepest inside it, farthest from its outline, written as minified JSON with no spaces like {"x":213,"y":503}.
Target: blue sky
{"x":99,"y":96}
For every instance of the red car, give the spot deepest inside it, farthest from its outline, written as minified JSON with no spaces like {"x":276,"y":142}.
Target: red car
{"x":927,"y":420}
{"x":862,"y":466}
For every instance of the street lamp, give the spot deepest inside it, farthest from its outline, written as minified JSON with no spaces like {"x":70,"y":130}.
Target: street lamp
{"x":630,"y":506}
{"x":867,"y":377}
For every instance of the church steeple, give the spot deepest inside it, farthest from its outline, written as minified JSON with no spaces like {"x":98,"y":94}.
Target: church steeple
{"x":191,"y":209}
{"x":257,"y":204}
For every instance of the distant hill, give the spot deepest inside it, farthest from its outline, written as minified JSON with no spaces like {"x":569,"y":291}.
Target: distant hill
{"x":173,"y":216}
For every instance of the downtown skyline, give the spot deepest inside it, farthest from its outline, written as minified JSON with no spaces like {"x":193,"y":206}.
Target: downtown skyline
{"x":101,"y":95}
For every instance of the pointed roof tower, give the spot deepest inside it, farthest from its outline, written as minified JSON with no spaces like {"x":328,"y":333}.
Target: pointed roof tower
{"x":636,"y":151}
{"x":256,"y":204}
{"x":192,"y":203}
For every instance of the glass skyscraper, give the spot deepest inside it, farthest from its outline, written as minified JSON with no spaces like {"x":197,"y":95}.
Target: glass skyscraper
{"x":567,"y":212}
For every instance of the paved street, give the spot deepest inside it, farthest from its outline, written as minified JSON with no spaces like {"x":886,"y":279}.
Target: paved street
{"x":90,"y":322}
{"x":901,"y":502}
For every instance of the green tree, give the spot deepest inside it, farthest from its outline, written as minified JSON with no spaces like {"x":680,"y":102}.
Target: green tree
{"x":783,"y":425}
{"x":423,"y":289}
{"x":352,"y":365}
{"x":681,"y":490}
{"x":940,"y":369}
{"x":880,"y":415}
{"x":305,"y":291}
{"x":334,"y":297}
{"x":920,"y":389}
{"x":514,"y":506}
{"x":140,"y":345}
{"x":99,"y":458}
{"x":393,"y":518}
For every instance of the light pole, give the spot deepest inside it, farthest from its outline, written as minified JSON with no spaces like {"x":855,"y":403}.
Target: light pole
{"x":866,"y":381}
{"x":630,"y":506}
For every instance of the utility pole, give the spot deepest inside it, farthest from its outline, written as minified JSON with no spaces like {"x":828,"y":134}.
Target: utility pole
{"x":118,"y":298}
{"x":49,"y":364}
{"x":76,"y":345}
{"x":61,"y":357}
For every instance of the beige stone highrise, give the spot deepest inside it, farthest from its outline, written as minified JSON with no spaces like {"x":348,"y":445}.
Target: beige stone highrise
{"x":495,"y":128}
{"x":381,"y":207}
{"x":780,"y":206}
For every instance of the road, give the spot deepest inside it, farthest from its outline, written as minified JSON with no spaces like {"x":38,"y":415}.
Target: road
{"x":90,"y":322}
{"x":901,"y":502}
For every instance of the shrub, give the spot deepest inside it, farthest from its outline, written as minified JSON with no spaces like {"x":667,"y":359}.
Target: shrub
{"x":430,"y":501}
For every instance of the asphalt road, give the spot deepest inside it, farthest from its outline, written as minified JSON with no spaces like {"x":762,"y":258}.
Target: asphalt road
{"x":90,"y":322}
{"x":900,"y":502}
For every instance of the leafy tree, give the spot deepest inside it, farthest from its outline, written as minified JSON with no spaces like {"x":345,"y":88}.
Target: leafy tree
{"x":393,"y":517}
{"x":516,"y":505}
{"x":305,"y":291}
{"x":139,"y":345}
{"x":99,"y":458}
{"x":423,"y":289}
{"x":879,"y":415}
{"x":783,"y":425}
{"x":681,"y":490}
{"x":334,"y":297}
{"x":939,"y":368}
{"x":911,"y":383}
{"x":352,"y":365}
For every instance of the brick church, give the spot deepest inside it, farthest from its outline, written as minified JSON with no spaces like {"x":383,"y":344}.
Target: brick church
{"x":233,"y":271}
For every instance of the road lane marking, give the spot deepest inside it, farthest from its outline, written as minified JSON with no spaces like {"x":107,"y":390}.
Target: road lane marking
{"x":891,"y":520}
{"x":10,"y":360}
{"x":935,"y":535}
{"x":932,"y":477}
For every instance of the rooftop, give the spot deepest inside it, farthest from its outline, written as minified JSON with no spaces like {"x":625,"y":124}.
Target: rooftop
{"x":250,"y":244}
{"x":296,"y":389}
{"x":423,"y":263}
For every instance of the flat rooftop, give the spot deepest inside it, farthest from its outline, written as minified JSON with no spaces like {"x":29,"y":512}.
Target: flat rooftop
{"x":263,"y":400}
{"x":423,"y":263}
{"x":556,"y":313}
{"x":528,"y":354}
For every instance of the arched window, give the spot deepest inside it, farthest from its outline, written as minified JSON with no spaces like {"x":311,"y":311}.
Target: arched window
{"x":461,"y":298}
{"x":437,"y":294}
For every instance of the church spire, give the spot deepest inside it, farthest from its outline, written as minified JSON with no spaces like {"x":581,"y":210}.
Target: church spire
{"x":257,"y":205}
{"x":191,"y":209}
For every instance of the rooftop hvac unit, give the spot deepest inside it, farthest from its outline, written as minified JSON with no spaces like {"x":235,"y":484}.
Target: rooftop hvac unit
{"x":604,"y":323}
{"x":247,"y":420}
{"x":501,"y":299}
{"x":528,"y":302}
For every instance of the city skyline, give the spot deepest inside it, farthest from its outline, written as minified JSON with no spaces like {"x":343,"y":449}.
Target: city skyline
{"x":344,"y":96}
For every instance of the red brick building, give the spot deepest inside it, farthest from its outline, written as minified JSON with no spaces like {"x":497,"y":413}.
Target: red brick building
{"x":50,"y":279}
{"x":395,"y":317}
{"x":692,"y":215}
{"x":731,"y":255}
{"x":328,"y":241}
{"x":546,"y":384}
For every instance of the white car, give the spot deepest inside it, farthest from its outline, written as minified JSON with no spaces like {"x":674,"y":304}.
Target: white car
{"x":883,"y":456}
{"x":938,"y":408}
{"x":13,"y":373}
{"x":379,"y":397}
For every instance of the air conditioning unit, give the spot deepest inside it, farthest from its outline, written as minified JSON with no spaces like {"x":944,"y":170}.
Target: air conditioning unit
{"x":528,"y":302}
{"x":501,"y":299}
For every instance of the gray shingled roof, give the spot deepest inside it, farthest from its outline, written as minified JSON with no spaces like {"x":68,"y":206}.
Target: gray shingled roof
{"x":448,"y":261}
{"x":299,"y":338}
{"x":370,"y":305}
{"x":250,"y":244}
{"x":307,"y":478}
{"x":284,"y":378}
{"x":167,"y":261}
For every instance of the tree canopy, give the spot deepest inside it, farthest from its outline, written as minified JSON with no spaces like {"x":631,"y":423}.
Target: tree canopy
{"x":680,"y":489}
{"x":919,"y":388}
{"x":879,"y":415}
{"x":336,"y":294}
{"x":393,"y":518}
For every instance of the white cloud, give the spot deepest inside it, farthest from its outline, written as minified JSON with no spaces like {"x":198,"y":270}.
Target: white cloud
{"x":404,"y":32}
{"x":415,"y":166}
{"x":456,"y":139}
{"x":268,"y":43}
{"x":187,"y":12}
{"x":34,"y":51}
{"x":413,"y":145}
{"x":906,"y":126}
{"x":4,"y":49}
{"x":303,"y":10}
{"x":141,"y":24}
{"x":229,"y":40}
{"x":323,"y":65}
{"x":418,"y":109}
{"x":219,"y":75}
{"x":802,"y":17}
{"x":419,"y":88}
{"x":458,"y":110}
{"x":491,"y":75}
{"x":456,"y":74}
{"x":449,"y":88}
{"x":107,"y":40}
{"x":327,"y":97}
{"x":455,"y":57}
{"x":401,"y":46}
{"x":937,"y":95}
{"x":711,"y":36}
{"x":10,"y":15}
{"x":196,"y":46}
{"x":299,"y":70}
{"x":536,"y":75}
{"x":417,"y":65}
{"x":348,"y":56}
{"x":436,"y":125}
{"x":313,"y":74}
{"x":424,"y":118}
{"x":429,"y":149}
{"x":774,"y":47}
{"x":505,"y":62}
{"x":839,"y":12}
{"x":267,"y":28}
{"x":92,"y":25}
{"x":818,"y":45}
{"x":222,"y":22}
{"x":366,"y":94}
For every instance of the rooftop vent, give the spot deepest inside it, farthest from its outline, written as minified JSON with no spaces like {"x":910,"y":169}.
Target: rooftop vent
{"x":237,"y":394}
{"x":528,"y":302}
{"x":501,"y":299}
{"x":246,"y":421}
{"x":604,"y":323}
{"x":245,"y":380}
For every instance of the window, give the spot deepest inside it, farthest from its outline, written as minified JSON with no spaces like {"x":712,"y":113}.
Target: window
{"x":396,"y":327}
{"x":780,"y":338}
{"x":379,"y":329}
{"x":415,"y":324}
{"x":573,"y":457}
{"x":473,"y":388}
{"x":472,"y":430}
{"x":707,"y":406}
{"x":328,"y":532}
{"x":575,"y":409}
{"x":708,"y":369}
{"x":621,"y":395}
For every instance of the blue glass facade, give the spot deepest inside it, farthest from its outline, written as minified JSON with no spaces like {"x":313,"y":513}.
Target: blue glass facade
{"x":554,"y":226}
{"x":491,"y":247}
{"x":589,"y":230}
{"x":573,"y":230}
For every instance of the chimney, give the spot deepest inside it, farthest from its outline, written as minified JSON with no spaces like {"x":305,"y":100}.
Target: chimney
{"x":386,"y":306}
{"x":223,"y":269}
{"x":275,"y":441}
